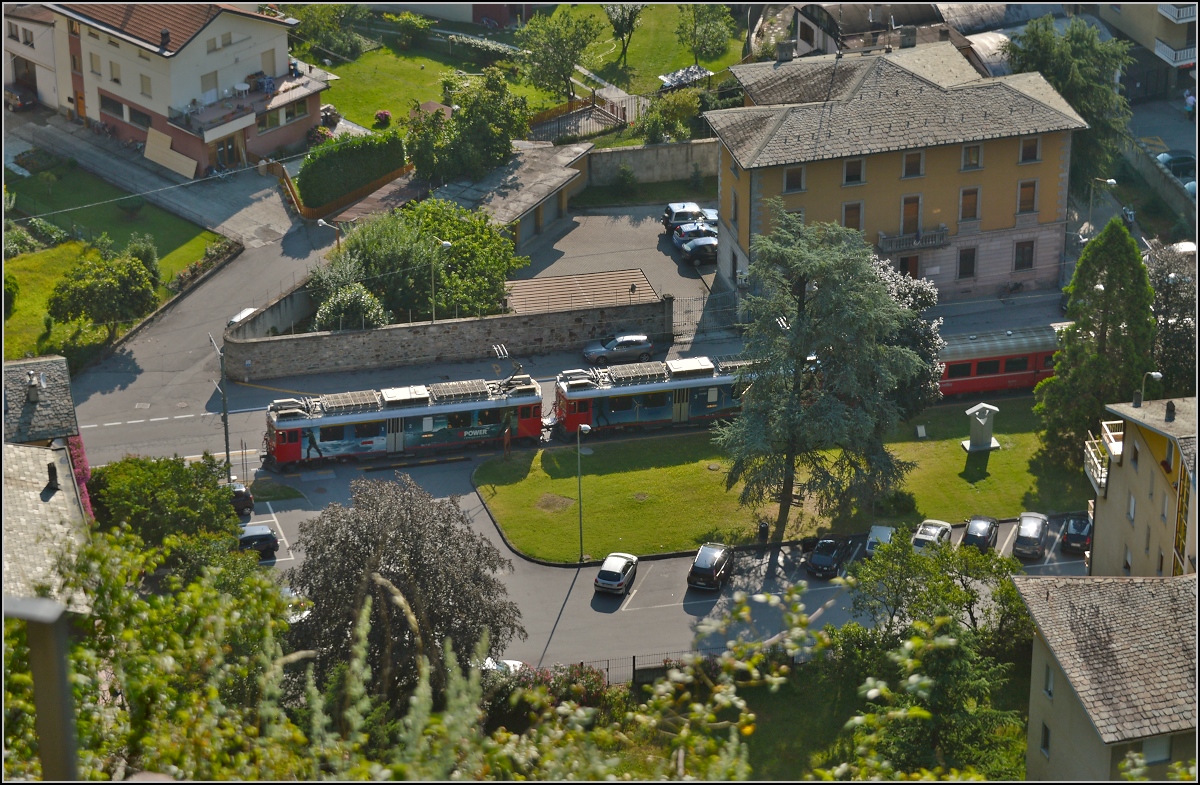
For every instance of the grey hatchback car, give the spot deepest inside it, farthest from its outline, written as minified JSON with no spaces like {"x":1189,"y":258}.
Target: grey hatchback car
{"x":619,"y":348}
{"x":1033,"y":529}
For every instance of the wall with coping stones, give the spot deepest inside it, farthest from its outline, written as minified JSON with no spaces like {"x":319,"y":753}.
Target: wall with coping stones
{"x":1161,"y":181}
{"x":654,"y":163}
{"x":253,"y":354}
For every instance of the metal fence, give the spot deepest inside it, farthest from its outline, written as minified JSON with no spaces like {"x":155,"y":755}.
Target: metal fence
{"x":587,"y":116}
{"x":700,"y":315}
{"x":35,"y":209}
{"x":645,"y":668}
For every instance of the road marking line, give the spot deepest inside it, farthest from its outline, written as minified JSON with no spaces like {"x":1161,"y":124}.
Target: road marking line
{"x":159,"y":419}
{"x":131,"y":422}
{"x":1009,"y":539}
{"x":1050,"y":550}
{"x":183,"y":416}
{"x":627,"y":599}
{"x":279,"y":528}
{"x":87,"y":426}
{"x":112,"y":423}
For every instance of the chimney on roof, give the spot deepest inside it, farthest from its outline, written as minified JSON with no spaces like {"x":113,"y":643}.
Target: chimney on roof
{"x":908,"y":36}
{"x":52,"y":471}
{"x":944,"y":34}
{"x":32,"y":388}
{"x":164,"y":37}
{"x":1170,"y":411}
{"x":783,"y":51}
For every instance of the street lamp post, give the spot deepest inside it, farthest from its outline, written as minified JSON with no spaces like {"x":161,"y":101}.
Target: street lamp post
{"x":1155,"y":375}
{"x":579,"y":480}
{"x":1091,"y":195}
{"x":432,"y":282}
{"x":338,"y":229}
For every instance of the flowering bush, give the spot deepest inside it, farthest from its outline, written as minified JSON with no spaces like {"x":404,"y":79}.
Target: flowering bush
{"x":83,"y":472}
{"x":383,"y":117}
{"x":318,"y":134}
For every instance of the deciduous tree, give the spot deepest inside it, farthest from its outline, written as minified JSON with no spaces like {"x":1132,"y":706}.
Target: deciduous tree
{"x":821,"y":393}
{"x":351,"y":308}
{"x":625,"y":19}
{"x":705,"y":29}
{"x":1107,"y":348}
{"x":426,"y":549}
{"x":553,"y":44}
{"x":1172,"y":275}
{"x":890,"y":588}
{"x":110,"y":292}
{"x":1083,"y":70}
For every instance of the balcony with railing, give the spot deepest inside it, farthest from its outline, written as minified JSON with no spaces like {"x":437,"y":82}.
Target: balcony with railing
{"x":1095,"y":464}
{"x":1176,"y":57}
{"x":1179,"y":13}
{"x":932,"y":238}
{"x":233,"y":112}
{"x":1113,"y":434}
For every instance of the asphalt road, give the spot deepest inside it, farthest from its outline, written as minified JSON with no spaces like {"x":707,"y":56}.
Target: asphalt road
{"x":568,"y":622}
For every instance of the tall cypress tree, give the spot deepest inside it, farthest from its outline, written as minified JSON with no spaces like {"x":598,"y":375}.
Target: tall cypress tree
{"x":1108,"y":347}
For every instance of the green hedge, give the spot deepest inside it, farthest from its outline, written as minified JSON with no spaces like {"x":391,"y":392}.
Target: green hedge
{"x":347,"y":163}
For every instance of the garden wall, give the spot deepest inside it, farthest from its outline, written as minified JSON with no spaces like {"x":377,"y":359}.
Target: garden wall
{"x":654,"y":163}
{"x":1161,"y":181}
{"x":252,"y":353}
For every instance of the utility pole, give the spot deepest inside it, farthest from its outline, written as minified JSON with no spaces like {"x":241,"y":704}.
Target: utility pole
{"x":224,"y":408}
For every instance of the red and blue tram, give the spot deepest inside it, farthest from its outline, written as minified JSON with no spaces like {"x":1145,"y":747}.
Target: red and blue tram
{"x":640,"y":395}
{"x":997,"y":361}
{"x":402,"y":420}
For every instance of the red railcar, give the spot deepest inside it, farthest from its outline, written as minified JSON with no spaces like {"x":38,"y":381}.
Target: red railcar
{"x":997,"y":361}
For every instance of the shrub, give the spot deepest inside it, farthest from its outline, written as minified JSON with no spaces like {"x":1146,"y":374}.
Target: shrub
{"x":351,"y":308}
{"x":627,"y":181}
{"x":103,"y":245}
{"x":142,"y":248}
{"x":83,"y":472}
{"x":18,"y":241}
{"x":47,"y":232}
{"x":696,"y":181}
{"x":318,"y":134}
{"x":412,"y":29}
{"x":898,"y":503}
{"x":11,"y":290}
{"x":480,"y":50}
{"x":652,"y":126}
{"x":332,"y":171}
{"x":131,"y":206}
{"x":383,"y":117}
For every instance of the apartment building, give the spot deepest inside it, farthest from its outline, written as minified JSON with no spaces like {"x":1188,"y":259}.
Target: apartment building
{"x":1113,"y":671}
{"x":1142,"y":466}
{"x":953,"y":176}
{"x":202,"y":84}
{"x":29,"y":50}
{"x":1165,"y":58}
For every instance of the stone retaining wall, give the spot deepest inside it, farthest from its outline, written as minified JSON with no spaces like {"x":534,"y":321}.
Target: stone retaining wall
{"x":1161,"y":181}
{"x":654,"y":163}
{"x":252,"y":353}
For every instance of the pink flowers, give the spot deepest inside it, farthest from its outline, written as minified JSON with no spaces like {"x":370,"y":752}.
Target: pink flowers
{"x":383,"y":117}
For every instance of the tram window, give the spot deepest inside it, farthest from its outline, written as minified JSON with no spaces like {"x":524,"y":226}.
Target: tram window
{"x":491,"y":416}
{"x":713,"y":392}
{"x":524,"y":412}
{"x":426,"y":424}
{"x":293,"y":437}
{"x":537,"y":410}
{"x":958,"y":370}
{"x":620,"y":403}
{"x":654,"y":400}
{"x":583,"y":407}
{"x":458,"y":420}
{"x":987,"y":367}
{"x":1048,"y":362}
{"x":1015,"y":364}
{"x":333,"y":433}
{"x":368,"y":430}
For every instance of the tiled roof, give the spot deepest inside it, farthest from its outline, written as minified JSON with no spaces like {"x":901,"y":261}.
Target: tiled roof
{"x":34,"y":12}
{"x":144,"y":22}
{"x":913,"y":98}
{"x":1187,"y":449}
{"x":1127,"y":646}
{"x":39,"y":523}
{"x":53,"y":415}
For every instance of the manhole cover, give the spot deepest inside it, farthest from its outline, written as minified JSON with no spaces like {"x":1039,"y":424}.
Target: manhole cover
{"x":712,"y":467}
{"x":181,"y":405}
{"x":141,"y":406}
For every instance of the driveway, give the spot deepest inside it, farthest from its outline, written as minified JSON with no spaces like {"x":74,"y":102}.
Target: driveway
{"x":616,"y":238}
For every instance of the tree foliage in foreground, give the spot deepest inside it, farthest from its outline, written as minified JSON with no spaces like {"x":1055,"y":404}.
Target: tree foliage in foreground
{"x":817,"y":427}
{"x":1173,"y":277}
{"x":705,"y":29}
{"x":426,"y":549}
{"x":1082,"y":69}
{"x":1107,"y":348}
{"x":158,"y":497}
{"x":109,"y":292}
{"x":552,"y":45}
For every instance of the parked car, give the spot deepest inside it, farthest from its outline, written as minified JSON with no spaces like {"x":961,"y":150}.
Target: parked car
{"x":243,"y":500}
{"x":259,"y":538}
{"x":690,"y":231}
{"x":18,"y":97}
{"x":702,"y":250}
{"x":982,"y":532}
{"x":1033,"y":529}
{"x":619,"y":348}
{"x":826,"y":559}
{"x":299,"y":608}
{"x":1181,"y":163}
{"x":878,"y":536}
{"x":680,"y":213}
{"x":710,"y":215}
{"x":1077,"y":533}
{"x":502,"y":666}
{"x":711,"y":567}
{"x":930,"y":532}
{"x":616,"y":573}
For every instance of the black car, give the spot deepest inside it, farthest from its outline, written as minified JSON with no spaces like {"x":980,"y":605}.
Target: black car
{"x":1077,"y":533}
{"x":826,"y":559}
{"x":711,"y":567}
{"x":243,"y":500}
{"x":18,"y":97}
{"x":702,"y":250}
{"x":261,"y":539}
{"x":982,"y":532}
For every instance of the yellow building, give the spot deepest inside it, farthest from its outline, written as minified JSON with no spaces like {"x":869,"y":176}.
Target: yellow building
{"x":1142,"y":466}
{"x":1113,"y":671}
{"x":955,"y":177}
{"x":1166,"y":33}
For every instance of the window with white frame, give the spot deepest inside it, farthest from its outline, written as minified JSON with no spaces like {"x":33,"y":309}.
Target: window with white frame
{"x":1045,"y":746}
{"x":295,"y":110}
{"x":1147,"y":548}
{"x":27,"y":37}
{"x":1132,"y":506}
{"x":76,"y":64}
{"x":793,"y":179}
{"x":1128,"y":564}
{"x":268,"y":120}
{"x":972,"y":157}
{"x":1048,"y":682}
{"x":914,"y":164}
{"x":143,"y":55}
{"x":211,"y":45}
{"x":1027,"y":196}
{"x":852,"y":215}
{"x":114,"y":71}
{"x":94,"y":62}
{"x":1023,"y":255}
{"x":1169,"y":460}
{"x":1163,"y":514}
{"x":73,"y":27}
{"x":1159,"y":570}
{"x":112,"y":106}
{"x":966,"y":263}
{"x":1133,"y":457}
{"x":968,"y":204}
{"x":139,"y":118}
{"x":226,"y":39}
{"x":733,"y":218}
{"x":1031,"y":149}
{"x":12,"y":31}
{"x":854,"y":171}
{"x":208,"y":82}
{"x":146,"y":86}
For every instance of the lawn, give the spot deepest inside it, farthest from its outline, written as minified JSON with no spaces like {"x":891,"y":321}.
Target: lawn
{"x":267,"y":490}
{"x":394,"y":79}
{"x":678,"y":482}
{"x":653,"y":50}
{"x":646,"y":193}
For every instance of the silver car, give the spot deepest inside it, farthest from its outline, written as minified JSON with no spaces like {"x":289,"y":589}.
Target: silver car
{"x":930,"y":532}
{"x":619,"y":348}
{"x":616,"y":573}
{"x":1033,"y":529}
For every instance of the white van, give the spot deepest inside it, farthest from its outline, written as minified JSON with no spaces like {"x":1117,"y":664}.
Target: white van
{"x":240,"y":315}
{"x":878,"y":536}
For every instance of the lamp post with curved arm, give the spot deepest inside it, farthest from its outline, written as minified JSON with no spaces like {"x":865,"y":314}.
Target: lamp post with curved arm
{"x":1091,"y":195}
{"x":579,"y":480}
